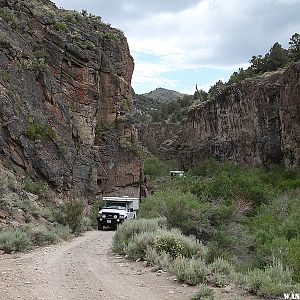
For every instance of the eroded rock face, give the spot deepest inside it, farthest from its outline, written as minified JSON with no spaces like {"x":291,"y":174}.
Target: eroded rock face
{"x":64,"y":94}
{"x":255,"y":122}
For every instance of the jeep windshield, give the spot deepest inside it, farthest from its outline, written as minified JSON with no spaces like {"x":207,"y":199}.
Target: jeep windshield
{"x":115,"y":205}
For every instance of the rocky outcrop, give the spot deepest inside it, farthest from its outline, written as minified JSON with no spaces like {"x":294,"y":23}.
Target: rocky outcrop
{"x":161,"y":138}
{"x":255,"y":122}
{"x":64,"y":93}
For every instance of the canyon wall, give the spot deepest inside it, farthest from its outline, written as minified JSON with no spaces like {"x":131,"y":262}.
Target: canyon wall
{"x":65,"y":92}
{"x":254,"y":122}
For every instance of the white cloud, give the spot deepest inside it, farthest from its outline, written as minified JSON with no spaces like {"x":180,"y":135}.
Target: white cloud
{"x":152,"y":74}
{"x":192,"y":34}
{"x":215,"y":32}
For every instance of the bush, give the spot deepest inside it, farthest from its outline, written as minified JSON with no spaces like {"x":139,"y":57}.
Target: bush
{"x":86,"y":223}
{"x":276,"y":229}
{"x":137,"y":247}
{"x":272,"y":281}
{"x":158,"y":260}
{"x":62,"y":232}
{"x":191,"y":271}
{"x":40,"y":235}
{"x":153,"y":167}
{"x":169,"y":243}
{"x":130,"y":228}
{"x":14,"y":240}
{"x":60,"y":26}
{"x":37,"y":131}
{"x":179,"y":208}
{"x":176,"y":244}
{"x":37,"y":187}
{"x":204,"y":293}
{"x":7,"y":182}
{"x":222,"y":266}
{"x":7,"y":201}
{"x":71,"y":214}
{"x":219,"y":280}
{"x":29,"y":235}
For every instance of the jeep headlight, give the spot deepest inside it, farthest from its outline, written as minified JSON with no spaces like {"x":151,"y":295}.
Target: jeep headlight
{"x":103,"y":216}
{"x":121,"y":217}
{"x":115,"y":217}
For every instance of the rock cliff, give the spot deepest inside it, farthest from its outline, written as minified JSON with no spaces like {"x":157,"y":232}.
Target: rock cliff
{"x":255,"y":122}
{"x":64,"y":96}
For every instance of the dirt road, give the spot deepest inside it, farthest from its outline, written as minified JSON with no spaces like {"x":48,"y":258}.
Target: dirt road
{"x":85,"y":269}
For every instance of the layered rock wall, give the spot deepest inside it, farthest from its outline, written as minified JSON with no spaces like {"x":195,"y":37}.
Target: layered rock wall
{"x":64,"y":95}
{"x":255,"y":122}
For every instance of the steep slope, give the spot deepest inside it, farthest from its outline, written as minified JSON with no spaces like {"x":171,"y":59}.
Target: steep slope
{"x":255,"y":122}
{"x":65,"y":93}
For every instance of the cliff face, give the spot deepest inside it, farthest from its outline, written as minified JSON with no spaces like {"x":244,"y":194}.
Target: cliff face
{"x":161,"y":138}
{"x":255,"y":122}
{"x":64,"y":95}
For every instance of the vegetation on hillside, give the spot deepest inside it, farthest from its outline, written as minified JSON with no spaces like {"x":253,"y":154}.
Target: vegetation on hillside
{"x":249,"y":217}
{"x":276,"y":58}
{"x":150,"y":110}
{"x":35,"y":220}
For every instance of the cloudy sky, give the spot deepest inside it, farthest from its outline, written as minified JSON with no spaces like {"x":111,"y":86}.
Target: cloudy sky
{"x":177,"y":44}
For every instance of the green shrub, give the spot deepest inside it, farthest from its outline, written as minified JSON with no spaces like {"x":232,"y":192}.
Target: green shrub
{"x":181,"y":209}
{"x":40,"y":235}
{"x":94,"y":213}
{"x":7,"y":201}
{"x":5,"y":75}
{"x":272,"y":281}
{"x":62,"y":232}
{"x":153,"y":167}
{"x":191,"y":271}
{"x":157,"y":260}
{"x":222,"y":266}
{"x":130,"y":228}
{"x":7,"y":181}
{"x":137,"y":247}
{"x":5,"y":40}
{"x":204,"y":293}
{"x":71,"y":214}
{"x":86,"y":223}
{"x":176,"y":244}
{"x":276,"y":229}
{"x":60,"y":26}
{"x":29,"y":235}
{"x":151,"y":256}
{"x":14,"y":240}
{"x":37,"y":187}
{"x":37,"y":131}
{"x":168,"y":242}
{"x":219,"y":280}
{"x":8,"y":16}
